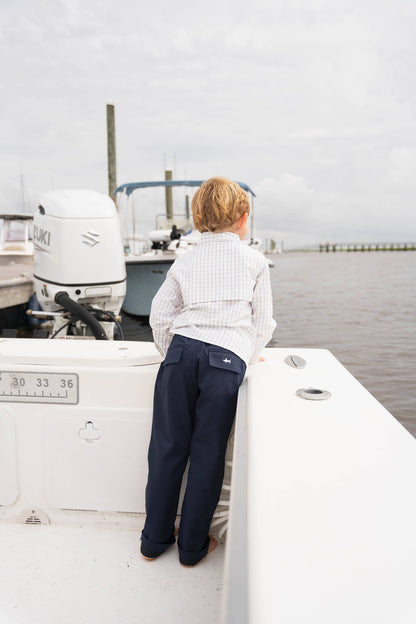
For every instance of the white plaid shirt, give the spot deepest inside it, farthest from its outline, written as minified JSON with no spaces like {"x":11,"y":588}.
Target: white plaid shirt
{"x":218,"y":292}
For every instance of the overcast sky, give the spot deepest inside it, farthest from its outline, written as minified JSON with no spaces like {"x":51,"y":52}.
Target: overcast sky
{"x":310,"y":102}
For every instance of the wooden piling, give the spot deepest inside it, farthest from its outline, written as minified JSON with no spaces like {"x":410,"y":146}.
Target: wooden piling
{"x":111,"y":150}
{"x":169,"y":196}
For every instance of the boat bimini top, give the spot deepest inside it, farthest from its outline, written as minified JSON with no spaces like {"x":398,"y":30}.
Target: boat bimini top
{"x":129,"y":187}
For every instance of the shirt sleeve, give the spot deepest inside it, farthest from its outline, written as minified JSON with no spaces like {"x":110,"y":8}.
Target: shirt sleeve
{"x":262,"y":313}
{"x":166,"y":305}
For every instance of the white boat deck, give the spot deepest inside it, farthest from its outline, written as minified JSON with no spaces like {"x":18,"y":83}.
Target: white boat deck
{"x":322,"y":514}
{"x":73,"y":575}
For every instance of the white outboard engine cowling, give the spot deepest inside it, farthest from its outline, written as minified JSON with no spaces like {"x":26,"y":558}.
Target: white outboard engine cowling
{"x":78,"y":256}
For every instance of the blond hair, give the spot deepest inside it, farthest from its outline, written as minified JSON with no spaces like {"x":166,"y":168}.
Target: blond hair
{"x":218,"y":204}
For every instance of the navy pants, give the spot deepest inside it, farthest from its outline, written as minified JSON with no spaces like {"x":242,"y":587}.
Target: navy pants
{"x":194,"y":408}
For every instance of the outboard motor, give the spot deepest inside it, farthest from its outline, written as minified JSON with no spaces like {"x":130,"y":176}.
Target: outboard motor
{"x":79,"y":268}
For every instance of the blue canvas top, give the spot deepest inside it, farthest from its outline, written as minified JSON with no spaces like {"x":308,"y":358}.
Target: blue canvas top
{"x":129,"y":187}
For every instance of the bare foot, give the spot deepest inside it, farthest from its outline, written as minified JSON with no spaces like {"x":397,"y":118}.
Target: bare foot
{"x":212,"y":544}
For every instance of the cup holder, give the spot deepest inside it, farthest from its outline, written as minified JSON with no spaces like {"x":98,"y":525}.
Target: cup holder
{"x":313,"y":394}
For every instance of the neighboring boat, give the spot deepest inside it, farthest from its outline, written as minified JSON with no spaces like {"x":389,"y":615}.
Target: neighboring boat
{"x":16,"y":238}
{"x":16,"y":267}
{"x":148,"y":259}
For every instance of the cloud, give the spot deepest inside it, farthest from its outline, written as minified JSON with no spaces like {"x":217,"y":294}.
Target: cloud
{"x":403,"y":167}
{"x":283,"y":203}
{"x":312,"y":104}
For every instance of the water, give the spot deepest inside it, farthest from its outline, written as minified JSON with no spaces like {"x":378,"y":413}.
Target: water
{"x":361,"y":306}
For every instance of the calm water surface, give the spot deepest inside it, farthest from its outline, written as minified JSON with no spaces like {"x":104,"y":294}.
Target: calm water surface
{"x":362,"y":307}
{"x":359,"y":305}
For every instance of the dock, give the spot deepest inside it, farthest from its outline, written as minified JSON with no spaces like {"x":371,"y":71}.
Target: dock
{"x":327,"y":247}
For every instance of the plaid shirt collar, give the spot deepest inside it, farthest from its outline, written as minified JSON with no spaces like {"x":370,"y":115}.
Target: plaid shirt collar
{"x":208,"y":237}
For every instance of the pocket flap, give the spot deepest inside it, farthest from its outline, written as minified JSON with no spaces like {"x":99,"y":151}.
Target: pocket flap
{"x":173,"y":356}
{"x":225,"y":360}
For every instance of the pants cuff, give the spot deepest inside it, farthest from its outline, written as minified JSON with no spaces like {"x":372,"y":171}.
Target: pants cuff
{"x":154,"y":549}
{"x":190,"y":558}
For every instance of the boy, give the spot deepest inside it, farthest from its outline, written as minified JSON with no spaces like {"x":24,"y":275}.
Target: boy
{"x":211,"y":316}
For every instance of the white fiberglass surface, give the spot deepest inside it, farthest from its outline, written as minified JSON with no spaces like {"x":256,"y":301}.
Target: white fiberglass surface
{"x":331,"y":506}
{"x":83,"y":575}
{"x":103,"y":353}
{"x":8,"y":458}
